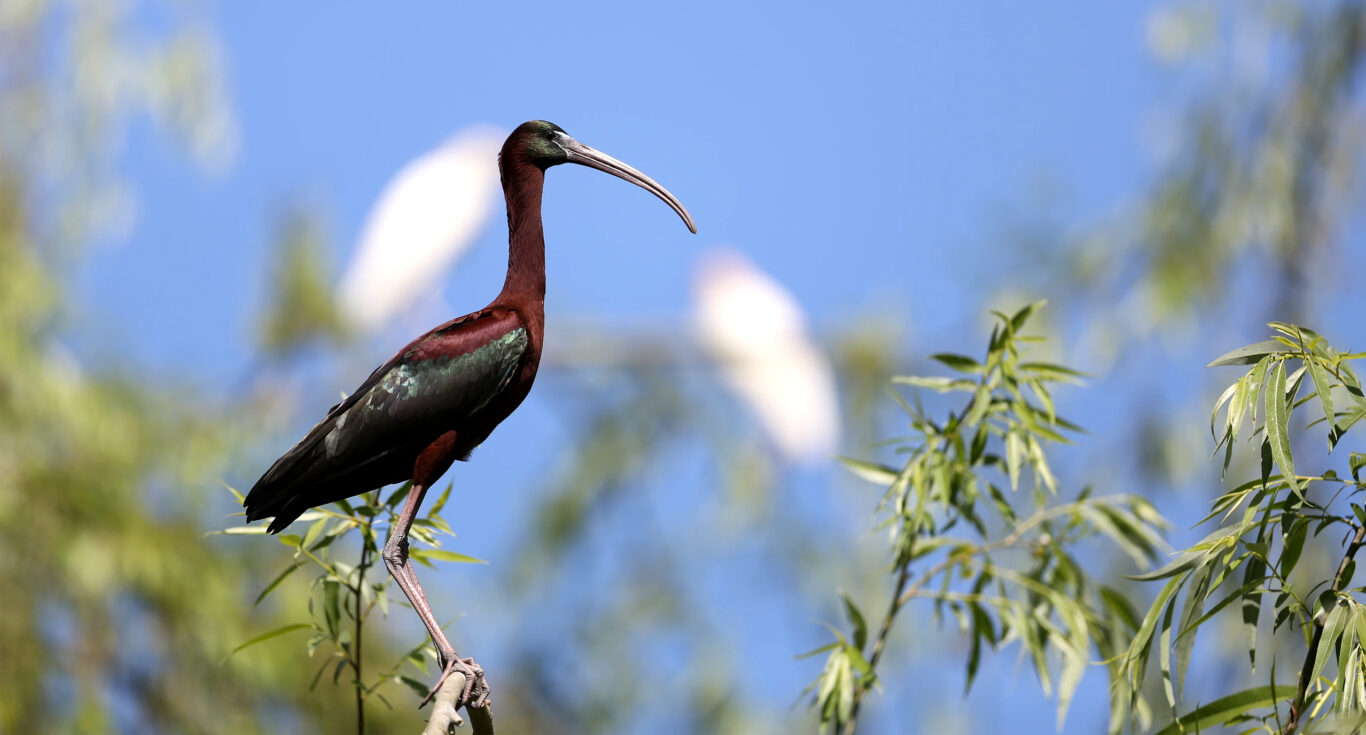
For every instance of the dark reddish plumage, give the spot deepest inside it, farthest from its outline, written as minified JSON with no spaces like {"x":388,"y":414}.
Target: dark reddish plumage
{"x":442,"y":395}
{"x":374,"y":436}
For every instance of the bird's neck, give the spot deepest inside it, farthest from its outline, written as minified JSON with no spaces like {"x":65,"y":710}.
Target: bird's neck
{"x":526,"y":241}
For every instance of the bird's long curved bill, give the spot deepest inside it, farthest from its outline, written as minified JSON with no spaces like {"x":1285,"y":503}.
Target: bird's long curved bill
{"x":586,"y":156}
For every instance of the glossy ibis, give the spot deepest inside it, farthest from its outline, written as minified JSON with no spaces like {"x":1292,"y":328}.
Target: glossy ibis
{"x":442,"y":395}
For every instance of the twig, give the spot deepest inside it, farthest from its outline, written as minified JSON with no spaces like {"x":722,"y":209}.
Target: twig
{"x":902,"y":595}
{"x":899,"y":598}
{"x":1306,"y":672}
{"x":903,"y":575}
{"x":445,"y":717}
{"x":892,"y":609}
{"x":1010,"y":540}
{"x":360,"y":623}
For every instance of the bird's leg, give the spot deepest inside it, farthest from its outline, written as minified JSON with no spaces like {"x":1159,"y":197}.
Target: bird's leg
{"x":395,"y":555}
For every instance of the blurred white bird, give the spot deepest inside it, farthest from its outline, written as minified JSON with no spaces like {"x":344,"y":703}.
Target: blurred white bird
{"x":427,"y":216}
{"x":756,"y":332}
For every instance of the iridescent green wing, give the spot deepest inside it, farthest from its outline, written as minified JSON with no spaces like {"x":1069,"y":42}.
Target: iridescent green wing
{"x":438,"y":383}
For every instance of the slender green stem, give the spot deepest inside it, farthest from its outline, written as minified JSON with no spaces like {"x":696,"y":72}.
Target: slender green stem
{"x":1010,"y":540}
{"x":963,"y":597}
{"x":903,"y":575}
{"x":899,"y":598}
{"x":1297,"y":705}
{"x":314,"y":558}
{"x":357,"y":648}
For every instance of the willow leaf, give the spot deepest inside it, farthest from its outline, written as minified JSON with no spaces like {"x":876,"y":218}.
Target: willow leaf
{"x":282,"y":630}
{"x":1324,"y":387}
{"x":1277,"y":426}
{"x":1226,"y":709}
{"x":1332,"y":630}
{"x":1250,"y":354}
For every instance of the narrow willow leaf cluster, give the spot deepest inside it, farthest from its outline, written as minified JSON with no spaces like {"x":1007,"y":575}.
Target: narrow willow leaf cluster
{"x":1264,"y":526}
{"x":1001,"y":563}
{"x":343,"y":595}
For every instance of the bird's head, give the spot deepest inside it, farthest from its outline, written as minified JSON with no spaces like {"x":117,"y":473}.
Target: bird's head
{"x":545,"y":144}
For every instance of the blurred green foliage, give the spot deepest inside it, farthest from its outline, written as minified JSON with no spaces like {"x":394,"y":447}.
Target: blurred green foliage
{"x":1260,"y":162}
{"x":303,"y":310}
{"x":118,"y":613}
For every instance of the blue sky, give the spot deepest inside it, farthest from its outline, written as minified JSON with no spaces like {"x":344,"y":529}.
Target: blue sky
{"x":855,"y":154}
{"x":862,"y":153}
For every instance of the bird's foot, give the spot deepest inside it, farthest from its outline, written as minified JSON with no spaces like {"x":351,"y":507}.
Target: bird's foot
{"x":476,"y":691}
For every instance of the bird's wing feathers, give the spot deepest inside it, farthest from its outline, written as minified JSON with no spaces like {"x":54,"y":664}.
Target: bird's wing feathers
{"x":449,"y":375}
{"x":431,"y":386}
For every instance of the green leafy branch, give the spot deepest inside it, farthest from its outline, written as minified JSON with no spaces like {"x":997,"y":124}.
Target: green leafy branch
{"x":1265,"y":524}
{"x":343,"y":596}
{"x":1009,"y":575}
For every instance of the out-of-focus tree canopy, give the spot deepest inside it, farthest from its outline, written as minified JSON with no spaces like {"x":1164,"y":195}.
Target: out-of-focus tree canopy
{"x":118,"y":613}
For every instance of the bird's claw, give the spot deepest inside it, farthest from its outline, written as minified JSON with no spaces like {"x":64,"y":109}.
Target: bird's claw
{"x":476,"y":693}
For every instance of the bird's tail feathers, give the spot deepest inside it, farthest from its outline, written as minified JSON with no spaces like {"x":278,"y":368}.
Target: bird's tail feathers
{"x":278,"y":491}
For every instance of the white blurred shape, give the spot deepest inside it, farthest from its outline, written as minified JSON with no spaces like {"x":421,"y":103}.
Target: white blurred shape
{"x":756,"y":332}
{"x":427,"y":217}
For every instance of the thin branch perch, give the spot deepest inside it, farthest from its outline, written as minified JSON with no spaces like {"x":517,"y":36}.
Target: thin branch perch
{"x":1306,"y":672}
{"x":446,"y":715}
{"x":902,"y":576}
